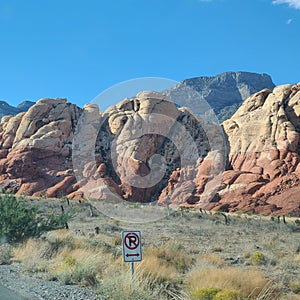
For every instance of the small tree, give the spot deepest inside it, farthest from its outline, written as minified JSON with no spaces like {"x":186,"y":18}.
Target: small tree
{"x":19,"y":221}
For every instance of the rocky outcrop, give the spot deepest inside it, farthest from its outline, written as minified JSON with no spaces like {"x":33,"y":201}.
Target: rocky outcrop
{"x":36,"y":147}
{"x":264,"y":154}
{"x":262,"y":174}
{"x":264,"y":148}
{"x":148,"y":149}
{"x":141,"y":141}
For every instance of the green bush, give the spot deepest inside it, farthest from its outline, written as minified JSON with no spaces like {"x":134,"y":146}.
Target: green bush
{"x":205,"y":294}
{"x":19,"y":221}
{"x":215,"y":294}
{"x":227,"y":295}
{"x":258,"y":258}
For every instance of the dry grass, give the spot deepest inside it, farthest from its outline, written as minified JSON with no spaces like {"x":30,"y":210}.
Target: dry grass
{"x":63,"y":257}
{"x":248,"y":283}
{"x":291,"y":297}
{"x":31,"y":255}
{"x":79,"y":266}
{"x":6,"y":254}
{"x":211,"y":260}
{"x":183,"y":257}
{"x":152,"y":268}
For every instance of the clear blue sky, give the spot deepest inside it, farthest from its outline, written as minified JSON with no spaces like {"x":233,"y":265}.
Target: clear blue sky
{"x":77,"y":49}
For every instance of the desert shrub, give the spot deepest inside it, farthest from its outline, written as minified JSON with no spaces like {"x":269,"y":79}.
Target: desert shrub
{"x":118,"y":285}
{"x":162,"y":269}
{"x":121,"y":287}
{"x":156,"y":272}
{"x":295,"y":287}
{"x":227,"y":295}
{"x":78,"y":266}
{"x":5,"y":254}
{"x":270,"y":291}
{"x":113,"y":249}
{"x":117,"y":241}
{"x":163,"y":266}
{"x":19,"y":221}
{"x":32,"y":255}
{"x":258,"y":258}
{"x":215,"y":294}
{"x":205,"y":294}
{"x":216,"y":249}
{"x":172,"y":255}
{"x":294,"y":227}
{"x":70,"y":261}
{"x":248,"y":283}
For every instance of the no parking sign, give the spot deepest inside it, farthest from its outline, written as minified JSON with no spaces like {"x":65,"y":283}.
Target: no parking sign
{"x":132,"y":248}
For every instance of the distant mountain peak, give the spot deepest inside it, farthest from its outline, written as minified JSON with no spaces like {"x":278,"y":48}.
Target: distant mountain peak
{"x":6,"y":109}
{"x":225,"y":92}
{"x":25,"y":105}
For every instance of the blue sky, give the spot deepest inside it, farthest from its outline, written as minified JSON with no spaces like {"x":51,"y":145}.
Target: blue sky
{"x":77,"y":49}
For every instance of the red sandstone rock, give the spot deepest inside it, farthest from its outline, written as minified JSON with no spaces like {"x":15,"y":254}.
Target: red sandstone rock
{"x":262,"y":173}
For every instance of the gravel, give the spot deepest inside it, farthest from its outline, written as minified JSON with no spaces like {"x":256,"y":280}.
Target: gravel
{"x":32,"y":288}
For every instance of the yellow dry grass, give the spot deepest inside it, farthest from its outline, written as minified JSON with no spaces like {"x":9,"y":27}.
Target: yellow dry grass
{"x":153,"y":268}
{"x":211,"y":259}
{"x":249,"y":283}
{"x":31,"y":255}
{"x":297,"y":257}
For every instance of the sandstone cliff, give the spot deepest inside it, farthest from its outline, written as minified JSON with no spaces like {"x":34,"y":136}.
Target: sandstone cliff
{"x":147,"y":149}
{"x":36,"y":148}
{"x":263,"y":170}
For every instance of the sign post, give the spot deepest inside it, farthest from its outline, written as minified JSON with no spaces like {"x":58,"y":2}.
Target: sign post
{"x":132,"y":248}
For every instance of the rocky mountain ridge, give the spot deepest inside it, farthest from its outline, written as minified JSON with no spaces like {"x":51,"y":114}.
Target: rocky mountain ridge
{"x":146,"y":149}
{"x":225,"y":92}
{"x":6,"y":109}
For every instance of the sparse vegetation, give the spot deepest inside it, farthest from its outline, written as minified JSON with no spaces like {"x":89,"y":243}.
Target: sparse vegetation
{"x":19,"y":221}
{"x":295,"y":287}
{"x":258,"y":258}
{"x":184,"y":257}
{"x":248,"y":283}
{"x":205,"y":294}
{"x":5,"y":254}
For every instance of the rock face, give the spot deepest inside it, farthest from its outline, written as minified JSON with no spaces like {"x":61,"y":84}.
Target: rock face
{"x":138,"y":146}
{"x":146,"y":149}
{"x":226,"y":92}
{"x":264,"y":149}
{"x":262,"y":174}
{"x":36,"y":147}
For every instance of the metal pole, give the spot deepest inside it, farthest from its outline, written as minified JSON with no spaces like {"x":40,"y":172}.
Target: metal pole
{"x":132,"y":269}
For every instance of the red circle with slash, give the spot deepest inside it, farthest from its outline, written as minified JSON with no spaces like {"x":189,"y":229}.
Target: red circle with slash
{"x":131,"y":240}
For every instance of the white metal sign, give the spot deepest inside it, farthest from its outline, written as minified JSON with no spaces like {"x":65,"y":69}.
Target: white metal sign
{"x":132,"y":248}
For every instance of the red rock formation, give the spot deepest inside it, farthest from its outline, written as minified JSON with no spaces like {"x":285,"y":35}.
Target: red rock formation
{"x":36,"y":148}
{"x":147,"y":149}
